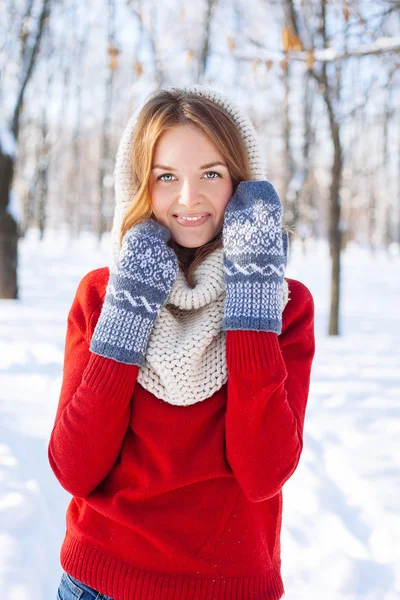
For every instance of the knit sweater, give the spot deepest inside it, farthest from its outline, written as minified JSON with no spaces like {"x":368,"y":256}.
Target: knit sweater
{"x":180,"y":502}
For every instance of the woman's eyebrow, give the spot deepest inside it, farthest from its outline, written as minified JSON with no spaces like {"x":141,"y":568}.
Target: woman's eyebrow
{"x":207,"y":166}
{"x":213,"y":164}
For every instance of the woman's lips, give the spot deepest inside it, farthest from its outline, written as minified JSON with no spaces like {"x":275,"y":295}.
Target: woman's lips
{"x":196,"y":223}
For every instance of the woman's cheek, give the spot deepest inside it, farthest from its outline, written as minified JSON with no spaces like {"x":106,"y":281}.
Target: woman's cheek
{"x":157,"y":202}
{"x":223,"y":202}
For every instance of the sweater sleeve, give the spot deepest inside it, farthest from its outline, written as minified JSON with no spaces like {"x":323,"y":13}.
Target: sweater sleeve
{"x":268,"y":384}
{"x":93,"y":412}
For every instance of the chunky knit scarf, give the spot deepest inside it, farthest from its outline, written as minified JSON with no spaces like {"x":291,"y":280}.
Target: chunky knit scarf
{"x":185,"y":360}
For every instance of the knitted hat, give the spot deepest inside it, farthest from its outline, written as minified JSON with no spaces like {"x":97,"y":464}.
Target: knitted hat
{"x":124,"y":185}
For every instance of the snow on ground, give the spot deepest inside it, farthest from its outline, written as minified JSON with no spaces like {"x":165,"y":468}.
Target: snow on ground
{"x":341,"y":514}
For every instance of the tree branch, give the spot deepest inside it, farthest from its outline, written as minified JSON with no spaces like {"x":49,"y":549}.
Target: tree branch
{"x":31,"y":63}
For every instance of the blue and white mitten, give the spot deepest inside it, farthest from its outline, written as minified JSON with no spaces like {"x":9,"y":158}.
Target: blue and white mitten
{"x":255,"y":258}
{"x":138,"y":287}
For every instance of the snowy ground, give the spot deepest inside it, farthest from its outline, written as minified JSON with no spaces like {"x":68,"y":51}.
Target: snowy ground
{"x":341,"y":519}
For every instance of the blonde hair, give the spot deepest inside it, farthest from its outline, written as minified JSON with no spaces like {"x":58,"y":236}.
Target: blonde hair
{"x":164,"y":110}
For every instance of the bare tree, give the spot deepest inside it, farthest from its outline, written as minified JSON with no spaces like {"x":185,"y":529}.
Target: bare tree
{"x":388,"y":115}
{"x":330,"y":87}
{"x":205,"y":43}
{"x":42,"y":182}
{"x":105,"y":150}
{"x":30,"y":39}
{"x":289,"y":166}
{"x":148,"y":32}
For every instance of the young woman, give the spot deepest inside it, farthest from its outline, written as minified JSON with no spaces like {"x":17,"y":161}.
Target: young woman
{"x":187,"y":369}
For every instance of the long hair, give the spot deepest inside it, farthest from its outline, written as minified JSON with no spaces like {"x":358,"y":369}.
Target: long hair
{"x":163,"y":110}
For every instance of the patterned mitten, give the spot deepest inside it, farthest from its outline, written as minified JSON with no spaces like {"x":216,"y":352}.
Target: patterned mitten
{"x":255,"y":258}
{"x":138,"y":287}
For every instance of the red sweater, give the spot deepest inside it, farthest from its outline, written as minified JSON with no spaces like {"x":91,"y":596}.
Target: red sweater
{"x":180,"y":502}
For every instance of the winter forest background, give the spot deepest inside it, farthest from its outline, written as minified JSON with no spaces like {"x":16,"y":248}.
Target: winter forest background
{"x":320,"y":81}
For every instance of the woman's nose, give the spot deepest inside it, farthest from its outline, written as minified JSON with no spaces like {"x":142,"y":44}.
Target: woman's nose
{"x":189,"y":195}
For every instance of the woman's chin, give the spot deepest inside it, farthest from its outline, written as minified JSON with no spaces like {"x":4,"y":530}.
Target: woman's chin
{"x":193,"y":241}
{"x":186,"y":243}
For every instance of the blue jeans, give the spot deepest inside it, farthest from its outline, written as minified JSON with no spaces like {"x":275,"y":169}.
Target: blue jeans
{"x":73,"y":589}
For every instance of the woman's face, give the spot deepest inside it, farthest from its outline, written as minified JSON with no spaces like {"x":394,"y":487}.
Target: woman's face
{"x":189,"y":178}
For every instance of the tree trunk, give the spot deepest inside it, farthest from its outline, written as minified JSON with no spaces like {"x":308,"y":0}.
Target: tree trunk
{"x":77,"y":145}
{"x":43,"y":174}
{"x":105,"y":151}
{"x":9,"y":229}
{"x":332,"y":95}
{"x":205,"y":46}
{"x":8,"y":233}
{"x":306,"y":200}
{"x":289,"y":196}
{"x":372,"y":210}
{"x":335,"y":237}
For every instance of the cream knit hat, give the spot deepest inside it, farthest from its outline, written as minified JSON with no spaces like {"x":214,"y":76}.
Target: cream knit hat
{"x":124,"y":186}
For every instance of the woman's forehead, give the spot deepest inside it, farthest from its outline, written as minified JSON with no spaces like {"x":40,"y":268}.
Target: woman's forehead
{"x":188,"y":142}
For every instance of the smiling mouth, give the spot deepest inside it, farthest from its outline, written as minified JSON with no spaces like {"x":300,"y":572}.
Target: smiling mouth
{"x":191,"y":221}
{"x":188,"y":214}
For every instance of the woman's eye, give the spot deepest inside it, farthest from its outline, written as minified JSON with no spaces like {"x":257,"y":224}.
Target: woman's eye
{"x":165,"y":175}
{"x":212,"y":173}
{"x":169,"y":175}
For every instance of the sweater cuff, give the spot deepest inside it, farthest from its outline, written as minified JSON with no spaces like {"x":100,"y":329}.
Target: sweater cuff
{"x":108,"y":377}
{"x":251,"y":351}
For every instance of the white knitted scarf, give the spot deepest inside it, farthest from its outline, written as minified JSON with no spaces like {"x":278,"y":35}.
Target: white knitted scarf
{"x":186,"y":360}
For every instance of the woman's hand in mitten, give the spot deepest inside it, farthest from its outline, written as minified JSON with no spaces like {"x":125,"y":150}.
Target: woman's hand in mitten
{"x":255,"y":258}
{"x":138,"y":287}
